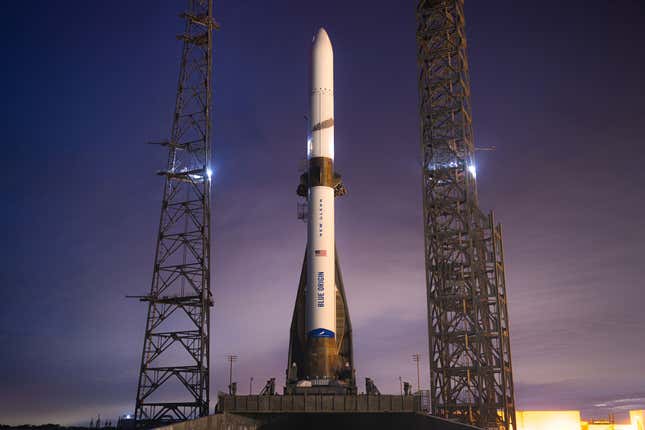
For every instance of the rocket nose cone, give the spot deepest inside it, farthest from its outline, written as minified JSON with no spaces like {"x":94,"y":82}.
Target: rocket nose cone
{"x":322,"y":44}
{"x":321,"y":37}
{"x":322,"y":61}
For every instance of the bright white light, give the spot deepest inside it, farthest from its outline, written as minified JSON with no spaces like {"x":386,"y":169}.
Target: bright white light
{"x":128,"y":416}
{"x":472,"y":170}
{"x":442,"y":165}
{"x":209,"y":173}
{"x":309,"y":147}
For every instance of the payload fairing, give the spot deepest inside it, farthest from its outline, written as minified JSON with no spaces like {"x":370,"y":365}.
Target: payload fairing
{"x":320,"y":348}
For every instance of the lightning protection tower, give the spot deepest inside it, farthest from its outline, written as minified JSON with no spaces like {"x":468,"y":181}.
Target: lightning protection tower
{"x":470,"y":358}
{"x":174,"y":374}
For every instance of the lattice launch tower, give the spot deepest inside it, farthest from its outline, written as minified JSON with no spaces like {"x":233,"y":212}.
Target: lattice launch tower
{"x":469,"y":347}
{"x":174,"y":373}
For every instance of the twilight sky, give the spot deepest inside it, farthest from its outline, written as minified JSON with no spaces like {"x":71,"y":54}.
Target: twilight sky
{"x":557,"y":88}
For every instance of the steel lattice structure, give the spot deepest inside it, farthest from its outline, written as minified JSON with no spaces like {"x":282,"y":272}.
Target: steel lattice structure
{"x":470,"y":359}
{"x":174,"y":374}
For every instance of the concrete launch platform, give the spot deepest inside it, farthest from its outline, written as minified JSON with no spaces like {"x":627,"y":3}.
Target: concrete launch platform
{"x":334,"y":412}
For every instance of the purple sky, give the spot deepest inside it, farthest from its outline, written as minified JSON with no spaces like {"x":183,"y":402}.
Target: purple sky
{"x":557,"y":88}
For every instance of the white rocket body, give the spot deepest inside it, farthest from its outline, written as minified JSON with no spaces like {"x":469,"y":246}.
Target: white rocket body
{"x":321,"y":271}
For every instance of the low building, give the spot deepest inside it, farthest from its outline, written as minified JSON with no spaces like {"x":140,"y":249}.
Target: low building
{"x":571,"y":420}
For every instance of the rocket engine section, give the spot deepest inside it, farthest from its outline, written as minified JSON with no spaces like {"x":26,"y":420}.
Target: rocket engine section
{"x":320,"y":349}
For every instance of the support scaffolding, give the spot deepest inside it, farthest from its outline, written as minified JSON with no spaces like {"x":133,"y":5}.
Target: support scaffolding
{"x":470,"y":359}
{"x":174,"y":373}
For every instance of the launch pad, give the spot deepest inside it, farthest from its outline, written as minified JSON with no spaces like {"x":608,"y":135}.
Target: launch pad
{"x":319,"y":411}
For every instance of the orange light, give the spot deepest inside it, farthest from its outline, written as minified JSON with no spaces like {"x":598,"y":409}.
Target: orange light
{"x":548,"y":420}
{"x":570,"y":420}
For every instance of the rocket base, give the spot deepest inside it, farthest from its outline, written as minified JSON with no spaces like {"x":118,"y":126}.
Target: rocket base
{"x":322,"y":360}
{"x":321,"y":365}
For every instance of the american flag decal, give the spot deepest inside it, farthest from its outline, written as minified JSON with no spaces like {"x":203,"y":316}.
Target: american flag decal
{"x":320,"y":253}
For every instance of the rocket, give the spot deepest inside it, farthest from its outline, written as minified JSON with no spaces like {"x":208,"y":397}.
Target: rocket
{"x":321,"y":242}
{"x":320,"y":348}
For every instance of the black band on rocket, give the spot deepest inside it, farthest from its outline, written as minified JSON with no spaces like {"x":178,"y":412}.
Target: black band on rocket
{"x":321,"y":172}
